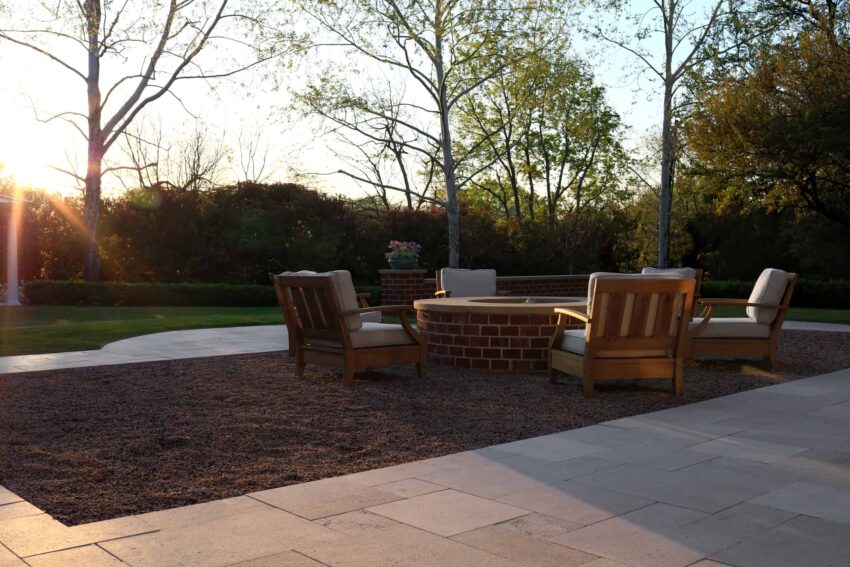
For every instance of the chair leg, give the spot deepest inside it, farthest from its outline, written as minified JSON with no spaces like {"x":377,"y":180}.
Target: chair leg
{"x":299,"y":366}
{"x":348,"y":371}
{"x":587,"y":381}
{"x":421,"y":369}
{"x":772,"y":357}
{"x":679,"y":378}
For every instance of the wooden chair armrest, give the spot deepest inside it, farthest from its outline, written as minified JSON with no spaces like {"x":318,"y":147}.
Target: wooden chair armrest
{"x":443,"y":293}
{"x":382,"y":308}
{"x":581,"y":316}
{"x":737,"y":302}
{"x":362,"y":299}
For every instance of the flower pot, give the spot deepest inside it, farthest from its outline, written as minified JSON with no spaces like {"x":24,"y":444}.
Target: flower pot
{"x":402,"y":262}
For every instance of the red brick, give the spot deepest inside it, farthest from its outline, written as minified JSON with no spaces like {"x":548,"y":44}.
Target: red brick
{"x":529,"y":331}
{"x":472,"y":352}
{"x":492,"y":353}
{"x":480,"y":364}
{"x":508,"y":331}
{"x":490,"y":331}
{"x":500,"y":364}
{"x":479,"y":341}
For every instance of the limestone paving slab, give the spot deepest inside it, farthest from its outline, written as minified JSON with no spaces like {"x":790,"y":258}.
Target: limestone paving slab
{"x":326,"y":497}
{"x":810,"y":499}
{"x":222,"y":541}
{"x":800,"y":541}
{"x":410,"y":487}
{"x":357,"y":522}
{"x":523,"y":549}
{"x":285,"y":559}
{"x":18,"y":510}
{"x":88,"y":556}
{"x":8,"y":497}
{"x":9,"y":559}
{"x":575,"y":502}
{"x":448,"y":512}
{"x":540,"y":526}
{"x":401,"y":546}
{"x":749,"y":449}
{"x":638,"y":538}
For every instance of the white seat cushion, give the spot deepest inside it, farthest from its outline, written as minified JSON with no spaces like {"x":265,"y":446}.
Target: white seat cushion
{"x":468,"y":283}
{"x":343,"y":288}
{"x":688,"y":273}
{"x":573,"y":341}
{"x":769,"y":288}
{"x":371,"y":317}
{"x":591,"y":282}
{"x":732,"y":328}
{"x":372,"y":335}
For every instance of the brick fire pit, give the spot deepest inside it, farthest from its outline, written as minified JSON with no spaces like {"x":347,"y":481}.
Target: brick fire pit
{"x":509,"y":334}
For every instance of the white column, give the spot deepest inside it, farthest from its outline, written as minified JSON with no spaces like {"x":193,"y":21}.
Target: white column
{"x":12,"y":254}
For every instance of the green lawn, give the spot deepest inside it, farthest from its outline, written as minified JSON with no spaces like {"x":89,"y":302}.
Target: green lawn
{"x":43,"y":329}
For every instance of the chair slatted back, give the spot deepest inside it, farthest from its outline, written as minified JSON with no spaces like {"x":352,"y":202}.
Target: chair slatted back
{"x":640,"y":315}
{"x":311,"y":305}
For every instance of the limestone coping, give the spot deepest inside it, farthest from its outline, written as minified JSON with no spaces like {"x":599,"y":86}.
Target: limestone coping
{"x":512,"y":305}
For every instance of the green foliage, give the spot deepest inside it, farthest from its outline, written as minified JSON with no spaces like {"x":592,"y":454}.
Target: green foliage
{"x":828,"y":294}
{"x":779,"y":134}
{"x":146,"y":294}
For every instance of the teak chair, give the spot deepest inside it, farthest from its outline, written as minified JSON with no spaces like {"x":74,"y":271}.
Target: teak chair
{"x":362,"y":303}
{"x":689,"y":273}
{"x":457,"y":282}
{"x":757,"y":334}
{"x":634,"y":328}
{"x":326,"y":328}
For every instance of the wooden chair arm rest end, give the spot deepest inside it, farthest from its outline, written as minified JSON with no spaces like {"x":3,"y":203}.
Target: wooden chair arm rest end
{"x":573,"y":313}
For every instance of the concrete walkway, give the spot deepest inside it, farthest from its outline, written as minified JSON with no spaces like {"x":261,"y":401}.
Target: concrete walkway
{"x":159,"y":346}
{"x":210,"y":342}
{"x":756,"y":479}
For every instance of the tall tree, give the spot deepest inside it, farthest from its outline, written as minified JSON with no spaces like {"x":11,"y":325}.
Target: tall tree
{"x":439,"y":46}
{"x":156,"y":43}
{"x":685,"y":37}
{"x":780,"y":134}
{"x":547,"y":126}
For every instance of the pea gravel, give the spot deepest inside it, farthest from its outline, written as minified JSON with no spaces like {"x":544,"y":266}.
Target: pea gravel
{"x":89,"y":444}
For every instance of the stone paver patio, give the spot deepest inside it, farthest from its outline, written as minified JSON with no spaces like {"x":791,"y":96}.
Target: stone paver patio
{"x":760,"y":478}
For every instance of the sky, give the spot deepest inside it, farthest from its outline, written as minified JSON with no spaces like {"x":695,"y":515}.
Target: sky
{"x":34,"y":87}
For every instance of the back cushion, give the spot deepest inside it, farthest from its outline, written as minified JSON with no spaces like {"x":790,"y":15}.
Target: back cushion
{"x":343,"y":289}
{"x":688,"y":273}
{"x":468,"y":283}
{"x":769,"y":288}
{"x":591,"y":282}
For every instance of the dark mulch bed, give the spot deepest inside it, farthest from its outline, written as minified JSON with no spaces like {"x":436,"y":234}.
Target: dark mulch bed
{"x":95,"y":443}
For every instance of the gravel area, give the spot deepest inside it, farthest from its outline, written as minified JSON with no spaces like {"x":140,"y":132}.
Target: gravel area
{"x":90,"y":444}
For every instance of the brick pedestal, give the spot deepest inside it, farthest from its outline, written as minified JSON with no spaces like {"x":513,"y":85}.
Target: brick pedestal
{"x":403,"y":287}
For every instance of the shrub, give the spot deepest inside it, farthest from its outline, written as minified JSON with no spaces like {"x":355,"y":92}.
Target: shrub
{"x":42,"y":292}
{"x":833,"y":294}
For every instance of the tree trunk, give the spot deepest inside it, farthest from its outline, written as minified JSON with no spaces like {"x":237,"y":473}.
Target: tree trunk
{"x":666,"y":198}
{"x":91,"y":215}
{"x":96,"y":150}
{"x":452,"y":210}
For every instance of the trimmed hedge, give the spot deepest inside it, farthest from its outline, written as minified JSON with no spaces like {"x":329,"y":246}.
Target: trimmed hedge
{"x":831,"y":294}
{"x":41,"y":292}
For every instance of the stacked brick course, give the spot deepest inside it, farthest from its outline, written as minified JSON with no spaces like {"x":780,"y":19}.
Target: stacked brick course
{"x":512,"y":343}
{"x":406,"y":286}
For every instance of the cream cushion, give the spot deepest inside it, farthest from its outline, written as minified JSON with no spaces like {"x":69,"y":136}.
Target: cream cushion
{"x":769,"y":288}
{"x":687,"y":273}
{"x":574,"y":342}
{"x":731,"y":328}
{"x":371,"y":317}
{"x":343,"y":288}
{"x":372,"y":335}
{"x":468,"y":283}
{"x":591,"y":282}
